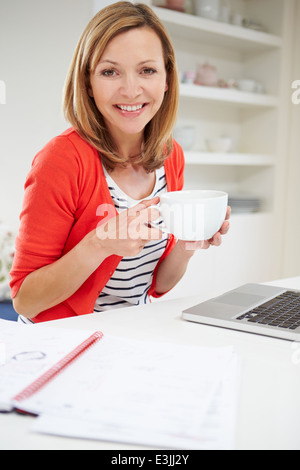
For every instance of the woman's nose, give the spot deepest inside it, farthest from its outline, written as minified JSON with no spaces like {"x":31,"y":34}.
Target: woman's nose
{"x":131,"y":87}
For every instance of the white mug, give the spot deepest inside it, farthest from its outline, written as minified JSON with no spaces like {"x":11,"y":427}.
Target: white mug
{"x":208,"y":9}
{"x":193,"y":215}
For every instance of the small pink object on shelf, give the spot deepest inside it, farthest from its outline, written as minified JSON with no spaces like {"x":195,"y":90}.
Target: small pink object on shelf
{"x":177,"y":5}
{"x":206,"y":75}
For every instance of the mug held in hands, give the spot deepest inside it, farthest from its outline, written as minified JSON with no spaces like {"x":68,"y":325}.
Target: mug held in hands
{"x":193,"y":215}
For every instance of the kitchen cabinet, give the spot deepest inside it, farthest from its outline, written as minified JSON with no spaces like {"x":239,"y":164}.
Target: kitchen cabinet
{"x":258,"y":124}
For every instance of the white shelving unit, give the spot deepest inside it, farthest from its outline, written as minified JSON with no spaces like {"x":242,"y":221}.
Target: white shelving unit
{"x":228,"y":159}
{"x":257,"y":123}
{"x":249,"y":118}
{"x":232,"y":97}
{"x":191,"y":26}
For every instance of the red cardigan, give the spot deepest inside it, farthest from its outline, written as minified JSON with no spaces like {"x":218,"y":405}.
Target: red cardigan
{"x":63,"y":189}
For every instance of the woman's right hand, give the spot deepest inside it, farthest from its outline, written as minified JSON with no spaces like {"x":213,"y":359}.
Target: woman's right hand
{"x":126,"y":234}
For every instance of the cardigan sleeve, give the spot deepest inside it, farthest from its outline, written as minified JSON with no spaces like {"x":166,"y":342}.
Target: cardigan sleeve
{"x":49,"y":209}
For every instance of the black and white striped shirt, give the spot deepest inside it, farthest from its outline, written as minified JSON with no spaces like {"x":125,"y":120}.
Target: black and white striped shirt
{"x":132,"y":279}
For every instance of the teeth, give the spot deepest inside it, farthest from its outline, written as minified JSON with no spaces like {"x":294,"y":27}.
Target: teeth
{"x":130,"y":108}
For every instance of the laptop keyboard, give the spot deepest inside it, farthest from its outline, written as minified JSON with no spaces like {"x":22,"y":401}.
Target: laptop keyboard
{"x":282,"y":311}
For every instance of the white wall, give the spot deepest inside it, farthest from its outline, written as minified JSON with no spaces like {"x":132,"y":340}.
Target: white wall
{"x":37,"y":40}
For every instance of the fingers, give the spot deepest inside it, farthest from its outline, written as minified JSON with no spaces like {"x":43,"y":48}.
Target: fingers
{"x":141,"y":216}
{"x":216,"y":240}
{"x":127,"y":233}
{"x":225,"y":228}
{"x":139,"y":228}
{"x":141,"y":206}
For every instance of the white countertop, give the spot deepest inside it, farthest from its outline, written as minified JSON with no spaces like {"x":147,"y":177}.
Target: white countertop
{"x":269,"y":408}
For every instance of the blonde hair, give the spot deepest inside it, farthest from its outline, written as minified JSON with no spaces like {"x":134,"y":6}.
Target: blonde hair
{"x":79,"y":107}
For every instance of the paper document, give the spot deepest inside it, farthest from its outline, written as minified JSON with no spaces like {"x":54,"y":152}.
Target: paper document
{"x":122,"y":390}
{"x":27,"y":351}
{"x":151,"y":394}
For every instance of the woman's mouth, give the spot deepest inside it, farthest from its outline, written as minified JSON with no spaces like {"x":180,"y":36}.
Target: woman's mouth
{"x":131,"y":109}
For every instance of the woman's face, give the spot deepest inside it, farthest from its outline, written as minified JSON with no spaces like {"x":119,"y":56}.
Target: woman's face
{"x":130,"y":81}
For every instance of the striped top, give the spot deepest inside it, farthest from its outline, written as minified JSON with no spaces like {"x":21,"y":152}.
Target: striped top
{"x":132,"y":279}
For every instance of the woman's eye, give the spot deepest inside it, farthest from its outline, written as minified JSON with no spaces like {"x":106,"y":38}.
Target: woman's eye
{"x":108,"y":73}
{"x":148,"y":71}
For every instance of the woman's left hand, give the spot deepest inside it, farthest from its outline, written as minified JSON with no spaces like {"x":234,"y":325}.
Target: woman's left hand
{"x":216,"y":240}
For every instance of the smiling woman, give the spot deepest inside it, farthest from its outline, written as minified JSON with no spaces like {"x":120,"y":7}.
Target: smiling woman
{"x":76,"y":251}
{"x":128,"y":91}
{"x":102,"y":48}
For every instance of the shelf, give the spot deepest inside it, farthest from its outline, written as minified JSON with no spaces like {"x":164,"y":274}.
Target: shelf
{"x":217,"y":33}
{"x":228,"y":159}
{"x":259,"y":216}
{"x":225,"y":95}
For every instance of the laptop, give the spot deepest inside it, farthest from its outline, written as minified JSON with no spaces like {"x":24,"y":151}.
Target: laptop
{"x":252,"y":308}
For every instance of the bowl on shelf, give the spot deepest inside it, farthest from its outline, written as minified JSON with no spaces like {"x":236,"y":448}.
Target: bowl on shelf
{"x":247,"y":85}
{"x":219,"y":144}
{"x":185,"y":136}
{"x":250,"y":86}
{"x":209,"y":9}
